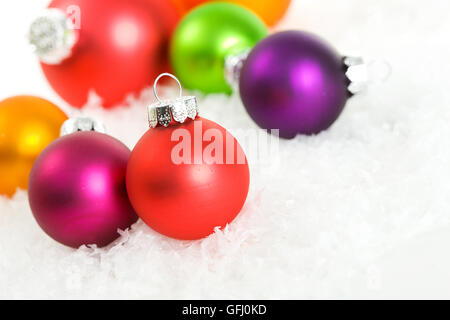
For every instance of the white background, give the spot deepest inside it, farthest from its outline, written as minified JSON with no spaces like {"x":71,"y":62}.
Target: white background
{"x":359,"y":211}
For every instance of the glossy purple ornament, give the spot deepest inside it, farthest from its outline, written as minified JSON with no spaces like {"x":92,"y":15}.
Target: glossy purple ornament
{"x":77,"y":189}
{"x":294,"y":82}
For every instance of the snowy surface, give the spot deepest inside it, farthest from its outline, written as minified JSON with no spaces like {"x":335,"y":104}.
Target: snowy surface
{"x":359,"y":211}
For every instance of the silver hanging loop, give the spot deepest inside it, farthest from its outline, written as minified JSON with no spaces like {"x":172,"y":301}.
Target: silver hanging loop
{"x":166,"y":75}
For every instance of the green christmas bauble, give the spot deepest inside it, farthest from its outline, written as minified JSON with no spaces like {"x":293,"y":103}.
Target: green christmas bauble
{"x":205,"y":37}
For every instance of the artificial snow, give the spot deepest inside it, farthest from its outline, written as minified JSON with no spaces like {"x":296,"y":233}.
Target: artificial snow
{"x":359,"y":211}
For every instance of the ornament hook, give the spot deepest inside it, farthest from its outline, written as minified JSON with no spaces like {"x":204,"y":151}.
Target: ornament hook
{"x":167,"y":75}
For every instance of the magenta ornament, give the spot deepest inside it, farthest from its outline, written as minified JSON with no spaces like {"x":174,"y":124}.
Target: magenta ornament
{"x":295,"y":82}
{"x":77,"y":189}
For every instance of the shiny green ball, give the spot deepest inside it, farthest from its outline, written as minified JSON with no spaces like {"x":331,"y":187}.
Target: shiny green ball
{"x":205,"y":37}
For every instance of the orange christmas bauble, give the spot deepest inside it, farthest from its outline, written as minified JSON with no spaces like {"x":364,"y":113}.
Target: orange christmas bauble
{"x":27,"y":125}
{"x":271,"y":11}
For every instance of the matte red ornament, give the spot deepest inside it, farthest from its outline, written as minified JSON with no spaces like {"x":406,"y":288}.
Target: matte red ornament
{"x":187,"y":201}
{"x":121,"y":46}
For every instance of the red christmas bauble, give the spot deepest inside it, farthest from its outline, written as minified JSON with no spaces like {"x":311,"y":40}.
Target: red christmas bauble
{"x":188,"y":200}
{"x":121,"y":47}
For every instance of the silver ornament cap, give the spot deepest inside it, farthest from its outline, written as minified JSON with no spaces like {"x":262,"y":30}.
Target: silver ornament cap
{"x":233,"y":67}
{"x":52,"y":35}
{"x":362,"y":74}
{"x":78,"y":124}
{"x":356,"y":74}
{"x":180,"y":109}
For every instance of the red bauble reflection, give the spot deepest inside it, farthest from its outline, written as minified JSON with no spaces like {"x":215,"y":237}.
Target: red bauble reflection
{"x":187,"y":201}
{"x":122,"y":46}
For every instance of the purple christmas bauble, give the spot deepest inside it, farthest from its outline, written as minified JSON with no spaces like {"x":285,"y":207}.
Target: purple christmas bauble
{"x":294,"y":82}
{"x":77,"y":189}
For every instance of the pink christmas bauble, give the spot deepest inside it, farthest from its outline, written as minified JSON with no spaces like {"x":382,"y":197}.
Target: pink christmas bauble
{"x":77,"y":189}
